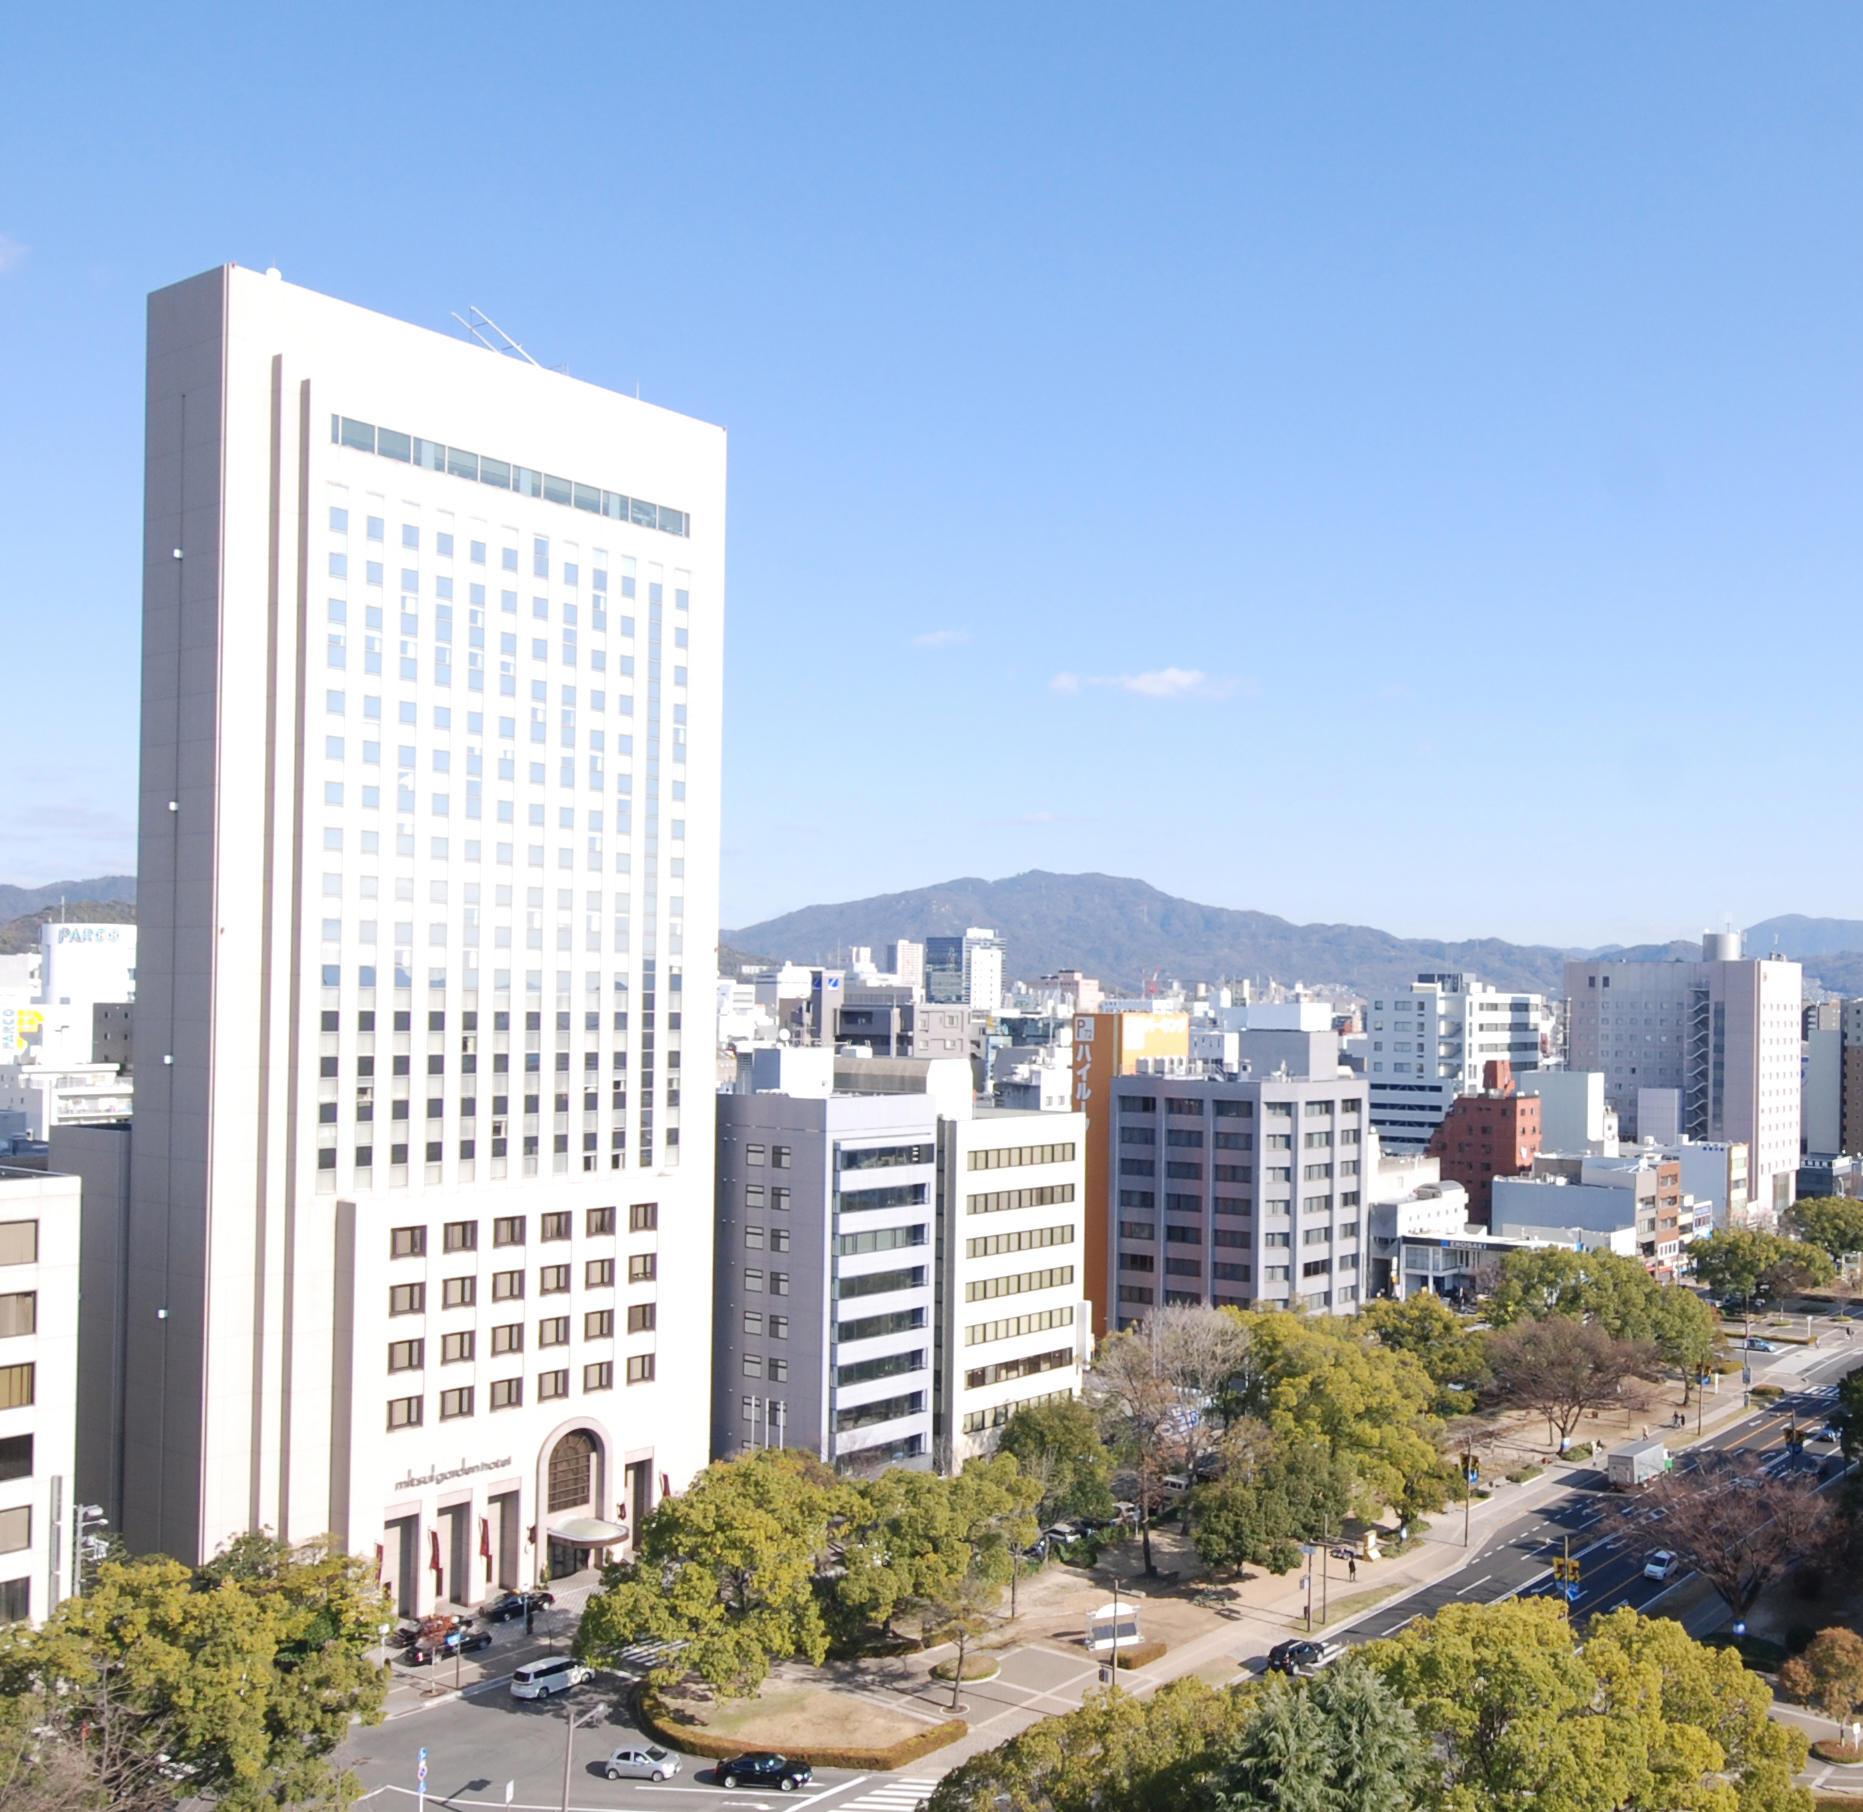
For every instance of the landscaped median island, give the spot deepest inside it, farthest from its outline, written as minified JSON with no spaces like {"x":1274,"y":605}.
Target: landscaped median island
{"x":789,"y":1718}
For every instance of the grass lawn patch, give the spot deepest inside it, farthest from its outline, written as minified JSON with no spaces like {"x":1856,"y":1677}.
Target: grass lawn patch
{"x":1358,"y":1603}
{"x":789,"y":1717}
{"x":976,"y":1667}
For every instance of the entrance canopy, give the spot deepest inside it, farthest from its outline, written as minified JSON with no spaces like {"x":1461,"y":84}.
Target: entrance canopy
{"x":588,"y":1531}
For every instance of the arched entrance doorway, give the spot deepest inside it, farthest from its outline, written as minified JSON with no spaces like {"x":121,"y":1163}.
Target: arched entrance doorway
{"x":573,"y":1482}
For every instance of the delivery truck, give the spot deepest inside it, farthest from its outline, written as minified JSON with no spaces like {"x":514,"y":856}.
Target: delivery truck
{"x":1636,"y":1463}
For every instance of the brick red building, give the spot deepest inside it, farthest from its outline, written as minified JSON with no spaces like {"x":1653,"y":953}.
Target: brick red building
{"x":1493,"y":1134}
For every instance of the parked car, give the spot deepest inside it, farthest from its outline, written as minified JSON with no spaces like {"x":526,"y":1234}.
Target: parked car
{"x":424,"y":1653}
{"x":642,"y":1764}
{"x":508,"y":1606}
{"x":1757,"y":1345}
{"x":404,"y":1633}
{"x":542,"y":1679}
{"x":762,"y":1769}
{"x":1061,"y":1532}
{"x":1303,"y":1658}
{"x":1659,"y":1565}
{"x":1037,"y":1550}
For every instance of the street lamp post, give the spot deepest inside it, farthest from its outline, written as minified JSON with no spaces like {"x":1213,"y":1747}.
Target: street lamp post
{"x":574,"y":1719}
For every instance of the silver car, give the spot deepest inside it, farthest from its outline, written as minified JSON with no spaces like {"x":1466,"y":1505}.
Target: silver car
{"x":642,"y":1765}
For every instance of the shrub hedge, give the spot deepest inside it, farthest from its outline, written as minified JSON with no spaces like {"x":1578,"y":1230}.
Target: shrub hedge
{"x":1138,"y":1654}
{"x":976,"y":1667}
{"x":663,"y":1724}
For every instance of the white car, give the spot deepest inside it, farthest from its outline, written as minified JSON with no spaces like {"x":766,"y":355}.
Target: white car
{"x":642,"y":1765}
{"x":1659,"y":1565}
{"x":544,"y":1679}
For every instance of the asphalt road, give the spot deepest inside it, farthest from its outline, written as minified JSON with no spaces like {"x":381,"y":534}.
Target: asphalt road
{"x":1516,"y":1559}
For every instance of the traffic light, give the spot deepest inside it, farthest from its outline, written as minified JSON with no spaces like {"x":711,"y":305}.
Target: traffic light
{"x":1794,"y":1435}
{"x":1565,"y":1570}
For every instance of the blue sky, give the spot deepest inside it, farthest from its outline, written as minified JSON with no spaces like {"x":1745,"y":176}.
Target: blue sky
{"x":1371,"y":463}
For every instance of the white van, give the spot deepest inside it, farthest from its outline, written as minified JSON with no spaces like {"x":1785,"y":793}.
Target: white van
{"x":541,"y":1679}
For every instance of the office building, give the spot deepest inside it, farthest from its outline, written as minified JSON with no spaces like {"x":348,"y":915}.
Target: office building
{"x":1493,"y":1134}
{"x":1108,"y":1045}
{"x":966,"y":971}
{"x":38,"y":1391}
{"x":905,"y":962}
{"x":429,"y":838}
{"x":897,"y":1268}
{"x":1238,"y":1189}
{"x":1587,"y":1195}
{"x":1721,"y":1031}
{"x":1427,"y":1043}
{"x":1574,"y":1115}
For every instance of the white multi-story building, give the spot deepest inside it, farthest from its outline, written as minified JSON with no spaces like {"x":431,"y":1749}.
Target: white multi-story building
{"x":428,"y":882}
{"x":898,"y":1268}
{"x":967,"y":970}
{"x":1723,"y":1031}
{"x":1012,"y":1324}
{"x":38,"y":1390}
{"x":1428,"y":1043}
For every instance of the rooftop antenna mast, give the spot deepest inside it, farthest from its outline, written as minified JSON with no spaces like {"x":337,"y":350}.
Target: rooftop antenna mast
{"x":480,"y":319}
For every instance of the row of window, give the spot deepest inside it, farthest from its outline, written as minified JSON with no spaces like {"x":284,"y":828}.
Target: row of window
{"x":755,"y":1322}
{"x":977,"y":1421}
{"x":508,"y":1393}
{"x":508,"y":1286}
{"x":779,"y":1156}
{"x":19,"y":1313}
{"x":456,"y":462}
{"x":774,"y":1239}
{"x":881,"y":1239}
{"x":1037,"y":1321}
{"x":462,"y":1347}
{"x":1010,"y":1156}
{"x":19,"y":1242}
{"x":512,"y":1230}
{"x":998,"y":1201}
{"x":1003,"y":1371}
{"x":1033,"y":1239}
{"x":778,"y":1196}
{"x":755,"y":1364}
{"x":987,"y":1289}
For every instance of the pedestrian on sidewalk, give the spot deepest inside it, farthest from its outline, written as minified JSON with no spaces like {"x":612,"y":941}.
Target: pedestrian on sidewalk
{"x":1352,"y":1567}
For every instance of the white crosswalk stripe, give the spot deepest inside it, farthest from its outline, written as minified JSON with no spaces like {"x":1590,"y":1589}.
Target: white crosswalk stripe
{"x":644,"y":1655}
{"x":891,"y":1796}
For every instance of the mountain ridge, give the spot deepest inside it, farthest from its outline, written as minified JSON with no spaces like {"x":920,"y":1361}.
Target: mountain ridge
{"x":1122,"y":929}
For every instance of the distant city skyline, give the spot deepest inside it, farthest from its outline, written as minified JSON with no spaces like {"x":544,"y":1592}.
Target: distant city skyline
{"x":1451,"y":414}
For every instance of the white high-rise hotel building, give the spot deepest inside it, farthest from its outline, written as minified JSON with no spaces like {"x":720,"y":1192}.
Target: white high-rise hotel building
{"x":428,"y":894}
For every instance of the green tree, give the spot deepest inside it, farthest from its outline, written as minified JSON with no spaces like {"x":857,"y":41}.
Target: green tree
{"x":1425,"y":1326}
{"x":1615,"y":1292}
{"x":1327,"y":1379}
{"x":1057,"y":1443}
{"x":911,"y":1540}
{"x":1746,"y":1260}
{"x":1282,"y":1758}
{"x":1833,"y":1223}
{"x":1828,"y":1674}
{"x":163,"y":1683}
{"x":1117,"y":1753}
{"x":728,"y":1571}
{"x":1848,"y":1415}
{"x":1640,"y":1718}
{"x":1297,"y":1490}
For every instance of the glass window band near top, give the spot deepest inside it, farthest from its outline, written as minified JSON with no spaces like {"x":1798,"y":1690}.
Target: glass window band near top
{"x":390,"y":443}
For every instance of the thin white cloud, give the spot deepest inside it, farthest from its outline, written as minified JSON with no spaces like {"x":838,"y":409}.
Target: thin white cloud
{"x":1159,"y":682}
{"x":12,"y":254}
{"x":941,"y":638}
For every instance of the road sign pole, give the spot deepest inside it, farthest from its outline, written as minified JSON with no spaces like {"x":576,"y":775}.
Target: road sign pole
{"x":420,"y":1780}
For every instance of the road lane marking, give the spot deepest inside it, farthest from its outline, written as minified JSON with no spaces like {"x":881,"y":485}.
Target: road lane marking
{"x":1473,"y":1583}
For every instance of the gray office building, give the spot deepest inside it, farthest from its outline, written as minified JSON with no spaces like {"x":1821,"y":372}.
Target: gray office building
{"x":1238,"y":1188}
{"x":824,"y":1285}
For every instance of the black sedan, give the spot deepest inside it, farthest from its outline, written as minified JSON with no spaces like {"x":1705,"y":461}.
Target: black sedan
{"x":425,"y":1653}
{"x":507,"y":1607}
{"x":762,"y":1769}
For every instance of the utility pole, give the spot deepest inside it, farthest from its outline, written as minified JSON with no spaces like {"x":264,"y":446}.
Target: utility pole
{"x":1326,"y":1549}
{"x":574,"y":1718}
